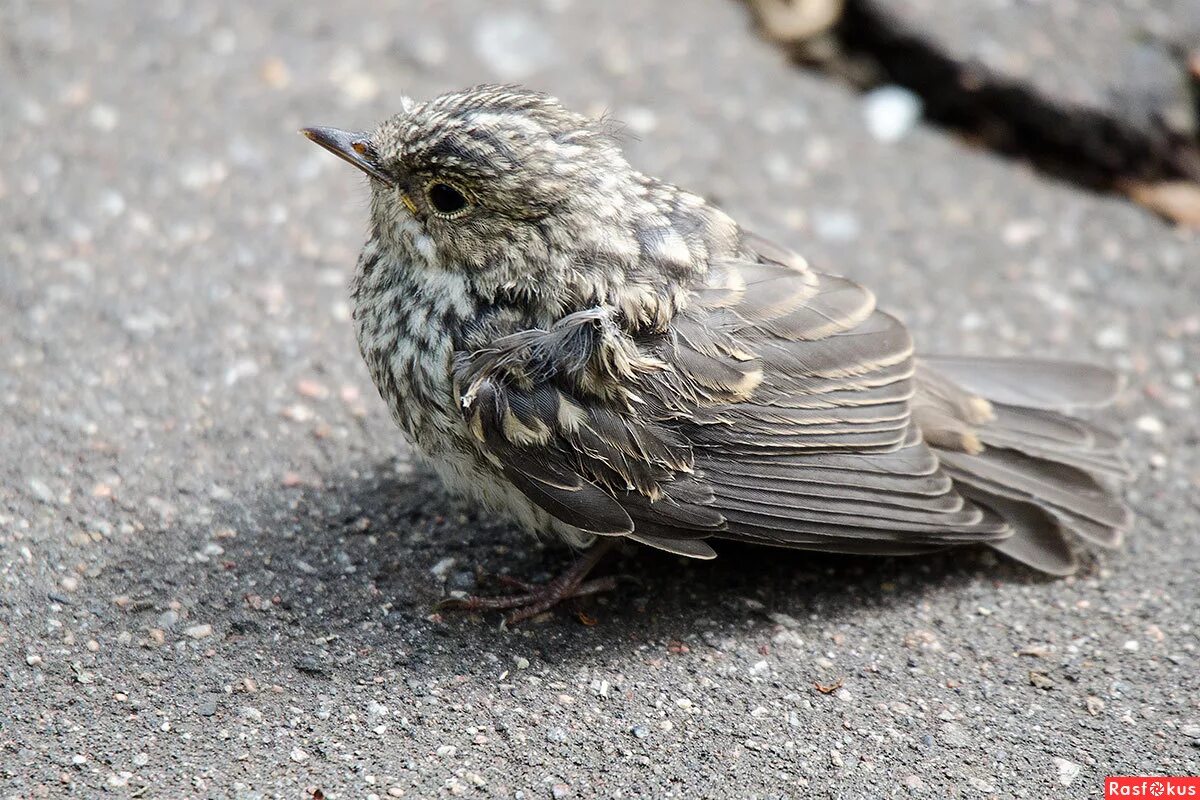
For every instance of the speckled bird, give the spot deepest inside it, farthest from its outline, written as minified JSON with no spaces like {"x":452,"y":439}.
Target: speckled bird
{"x":601,"y":355}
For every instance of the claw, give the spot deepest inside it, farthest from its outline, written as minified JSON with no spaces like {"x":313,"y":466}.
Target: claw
{"x":533,"y":599}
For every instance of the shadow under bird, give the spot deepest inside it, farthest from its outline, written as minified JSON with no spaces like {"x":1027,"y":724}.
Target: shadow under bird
{"x":602,"y":355}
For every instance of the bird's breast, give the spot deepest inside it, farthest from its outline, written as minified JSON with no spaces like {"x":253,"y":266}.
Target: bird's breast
{"x":405,"y":321}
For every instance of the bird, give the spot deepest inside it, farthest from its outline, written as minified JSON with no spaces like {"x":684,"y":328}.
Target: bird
{"x":599,"y":355}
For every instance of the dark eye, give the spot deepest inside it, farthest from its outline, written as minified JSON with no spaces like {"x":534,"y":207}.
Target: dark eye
{"x":445,"y":198}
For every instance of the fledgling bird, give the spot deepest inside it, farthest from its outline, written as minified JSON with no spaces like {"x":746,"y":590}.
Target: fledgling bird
{"x":602,"y":355}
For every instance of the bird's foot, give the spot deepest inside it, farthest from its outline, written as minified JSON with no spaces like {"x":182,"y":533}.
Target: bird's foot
{"x":533,"y":599}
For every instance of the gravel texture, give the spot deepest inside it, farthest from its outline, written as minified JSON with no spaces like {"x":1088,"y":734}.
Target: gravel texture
{"x":218,"y":563}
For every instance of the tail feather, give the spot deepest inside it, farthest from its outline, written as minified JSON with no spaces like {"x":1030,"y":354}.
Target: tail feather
{"x":1044,"y":472}
{"x":1037,"y":540}
{"x":1030,"y":382}
{"x":1050,"y":483}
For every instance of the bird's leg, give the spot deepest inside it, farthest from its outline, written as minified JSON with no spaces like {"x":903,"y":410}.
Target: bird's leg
{"x":534,"y":599}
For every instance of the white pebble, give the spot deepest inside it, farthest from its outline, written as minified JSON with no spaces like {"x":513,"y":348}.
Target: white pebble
{"x":641,"y":120}
{"x":103,"y":118}
{"x":199,"y":631}
{"x":890,"y":112}
{"x":836,"y":225}
{"x":1112,"y":337}
{"x":1150,"y":424}
{"x":112,"y":203}
{"x":1068,"y":771}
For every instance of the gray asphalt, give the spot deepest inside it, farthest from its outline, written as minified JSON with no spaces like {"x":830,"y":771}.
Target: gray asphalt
{"x":1126,"y":59}
{"x":219,"y":562}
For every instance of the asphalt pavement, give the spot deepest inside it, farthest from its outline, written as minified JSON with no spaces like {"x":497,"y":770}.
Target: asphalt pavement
{"x":219,"y":561}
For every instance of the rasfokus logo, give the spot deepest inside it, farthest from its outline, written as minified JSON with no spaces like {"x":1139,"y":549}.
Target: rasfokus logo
{"x":1151,"y":787}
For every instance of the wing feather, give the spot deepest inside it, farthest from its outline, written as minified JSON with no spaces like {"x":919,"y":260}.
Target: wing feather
{"x":780,"y":406}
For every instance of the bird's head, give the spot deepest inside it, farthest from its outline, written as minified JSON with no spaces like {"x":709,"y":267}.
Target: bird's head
{"x":504,"y":185}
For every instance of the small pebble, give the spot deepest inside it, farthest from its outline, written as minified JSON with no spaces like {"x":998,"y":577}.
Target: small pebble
{"x":198,"y":631}
{"x":298,"y":755}
{"x":785,"y":620}
{"x":462,"y":581}
{"x":1150,"y":424}
{"x":981,"y":785}
{"x":641,"y":120}
{"x":1112,"y":337}
{"x":640,"y":731}
{"x":954,"y":735}
{"x":311,"y":665}
{"x":1068,"y":771}
{"x":1041,"y":680}
{"x":207,"y":706}
{"x":836,"y":225}
{"x":42,"y":492}
{"x":311,"y":389}
{"x":891,"y":112}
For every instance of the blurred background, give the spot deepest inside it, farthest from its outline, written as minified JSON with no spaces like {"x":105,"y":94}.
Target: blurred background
{"x":219,"y":562}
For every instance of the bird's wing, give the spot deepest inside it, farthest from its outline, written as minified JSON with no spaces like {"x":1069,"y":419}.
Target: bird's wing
{"x":557,"y":412}
{"x":795,"y":394}
{"x":775,"y":409}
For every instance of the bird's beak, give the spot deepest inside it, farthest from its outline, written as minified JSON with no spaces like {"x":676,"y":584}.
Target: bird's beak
{"x":348,"y":146}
